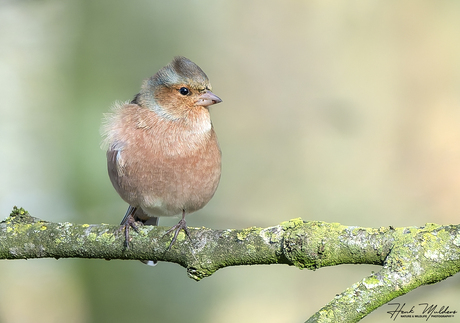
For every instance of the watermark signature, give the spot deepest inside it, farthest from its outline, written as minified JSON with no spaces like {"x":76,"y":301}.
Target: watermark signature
{"x":420,"y":311}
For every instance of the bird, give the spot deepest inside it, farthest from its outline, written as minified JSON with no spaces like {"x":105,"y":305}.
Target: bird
{"x":163,"y":157}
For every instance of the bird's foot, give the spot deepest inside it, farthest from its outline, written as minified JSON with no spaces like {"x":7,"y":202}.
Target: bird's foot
{"x":129,"y":223}
{"x":182,"y":225}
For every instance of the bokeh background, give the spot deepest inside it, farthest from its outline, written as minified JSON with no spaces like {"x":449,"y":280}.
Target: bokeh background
{"x":336,"y":111}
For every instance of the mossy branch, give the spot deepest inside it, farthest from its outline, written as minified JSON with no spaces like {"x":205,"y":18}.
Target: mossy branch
{"x":410,"y":257}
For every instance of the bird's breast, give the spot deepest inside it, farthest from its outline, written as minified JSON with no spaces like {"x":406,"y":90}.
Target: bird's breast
{"x":169,"y":167}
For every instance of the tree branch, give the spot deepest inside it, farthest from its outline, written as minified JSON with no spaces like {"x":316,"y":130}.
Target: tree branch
{"x":410,"y":257}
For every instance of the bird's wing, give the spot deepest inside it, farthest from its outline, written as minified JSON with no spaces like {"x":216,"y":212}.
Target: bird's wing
{"x":114,"y":166}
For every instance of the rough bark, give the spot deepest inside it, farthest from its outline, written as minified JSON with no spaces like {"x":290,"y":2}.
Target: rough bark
{"x":410,"y":257}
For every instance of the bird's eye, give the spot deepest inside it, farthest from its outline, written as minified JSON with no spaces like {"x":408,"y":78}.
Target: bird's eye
{"x":184,"y":91}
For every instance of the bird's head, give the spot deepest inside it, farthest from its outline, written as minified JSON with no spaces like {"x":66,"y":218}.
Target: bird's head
{"x":177,"y":89}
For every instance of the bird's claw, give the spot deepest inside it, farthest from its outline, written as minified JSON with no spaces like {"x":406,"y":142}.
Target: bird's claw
{"x":130,"y":223}
{"x":182,"y":225}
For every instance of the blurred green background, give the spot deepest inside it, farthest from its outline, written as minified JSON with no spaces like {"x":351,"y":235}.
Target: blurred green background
{"x":336,"y":111}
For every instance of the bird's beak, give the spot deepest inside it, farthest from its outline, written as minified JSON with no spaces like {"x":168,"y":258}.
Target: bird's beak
{"x":208,"y":98}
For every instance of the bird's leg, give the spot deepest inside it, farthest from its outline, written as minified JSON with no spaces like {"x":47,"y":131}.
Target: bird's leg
{"x":182,"y":225}
{"x":127,"y":222}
